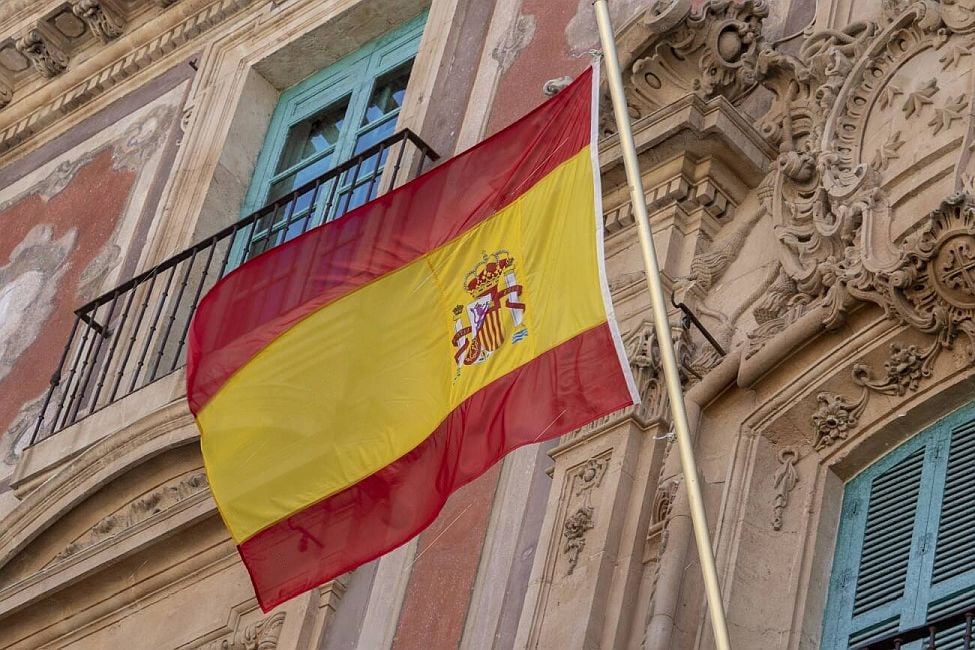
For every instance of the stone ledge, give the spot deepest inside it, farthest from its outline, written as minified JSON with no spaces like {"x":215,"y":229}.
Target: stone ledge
{"x":715,"y":128}
{"x":163,"y":397}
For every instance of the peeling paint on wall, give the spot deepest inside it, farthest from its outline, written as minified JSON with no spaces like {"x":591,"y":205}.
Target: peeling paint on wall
{"x":69,"y":225}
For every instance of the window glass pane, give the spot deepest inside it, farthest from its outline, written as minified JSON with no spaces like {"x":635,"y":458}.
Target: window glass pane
{"x":351,"y":107}
{"x":313,"y":135}
{"x":374,"y":135}
{"x":388,"y":92}
{"x":296,"y":179}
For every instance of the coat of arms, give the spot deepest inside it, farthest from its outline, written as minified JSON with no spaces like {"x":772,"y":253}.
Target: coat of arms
{"x":482,"y":326}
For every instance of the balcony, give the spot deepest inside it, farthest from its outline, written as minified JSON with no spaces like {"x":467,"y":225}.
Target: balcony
{"x":949,"y":632}
{"x":135,"y":334}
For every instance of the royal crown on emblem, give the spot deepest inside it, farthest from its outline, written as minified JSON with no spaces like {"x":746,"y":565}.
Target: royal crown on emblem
{"x":488,"y":272}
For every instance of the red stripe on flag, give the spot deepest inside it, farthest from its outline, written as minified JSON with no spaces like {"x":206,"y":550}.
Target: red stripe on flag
{"x":387,"y":509}
{"x":244,"y":311}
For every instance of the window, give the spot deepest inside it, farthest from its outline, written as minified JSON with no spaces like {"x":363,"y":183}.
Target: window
{"x":905,"y":552}
{"x":321,"y":122}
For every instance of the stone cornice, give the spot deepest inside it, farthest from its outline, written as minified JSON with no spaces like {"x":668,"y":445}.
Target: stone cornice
{"x":36,"y":104}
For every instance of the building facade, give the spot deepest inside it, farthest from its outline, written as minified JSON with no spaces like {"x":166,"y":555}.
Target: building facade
{"x":809,"y":172}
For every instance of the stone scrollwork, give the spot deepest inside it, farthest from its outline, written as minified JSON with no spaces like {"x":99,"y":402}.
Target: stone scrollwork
{"x":904,"y":369}
{"x":844,"y":109}
{"x":836,"y":417}
{"x":142,"y":508}
{"x":643,"y":353}
{"x":959,"y":15}
{"x":709,"y":51}
{"x":931,"y":289}
{"x":784,"y":481}
{"x":553,"y":87}
{"x":6,"y":94}
{"x":807,"y":227}
{"x":590,"y":475}
{"x":932,"y":286}
{"x":262,"y":635}
{"x":583,"y":481}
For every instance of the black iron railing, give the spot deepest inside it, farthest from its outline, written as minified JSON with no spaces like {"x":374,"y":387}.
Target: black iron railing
{"x":136,"y":333}
{"x":950,"y":632}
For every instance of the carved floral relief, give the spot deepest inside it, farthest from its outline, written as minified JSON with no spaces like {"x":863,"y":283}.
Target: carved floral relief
{"x":583,"y":480}
{"x":836,"y":417}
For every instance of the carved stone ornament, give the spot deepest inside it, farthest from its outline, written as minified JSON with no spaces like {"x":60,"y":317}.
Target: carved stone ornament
{"x":163,"y":4}
{"x":845,"y":110}
{"x":835,"y":417}
{"x":574,"y":530}
{"x":262,"y":635}
{"x":707,"y":269}
{"x":590,"y":475}
{"x":931,"y":287}
{"x":643,"y":351}
{"x":193,"y":26}
{"x":102,"y":22}
{"x":148,"y":505}
{"x":784,"y":482}
{"x":583,"y":482}
{"x":6,"y":93}
{"x":711,"y":51}
{"x":903,"y":370}
{"x":643,"y":354}
{"x":553,"y":87}
{"x":660,"y":510}
{"x":46,"y":58}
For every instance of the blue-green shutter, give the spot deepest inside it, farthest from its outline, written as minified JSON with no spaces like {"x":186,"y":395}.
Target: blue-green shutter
{"x":888,"y":534}
{"x":952,"y":583}
{"x":905,"y":550}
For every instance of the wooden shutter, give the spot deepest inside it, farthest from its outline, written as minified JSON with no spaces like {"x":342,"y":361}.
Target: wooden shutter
{"x":952,"y":582}
{"x":906,"y":547}
{"x":955,"y":548}
{"x":889,"y":532}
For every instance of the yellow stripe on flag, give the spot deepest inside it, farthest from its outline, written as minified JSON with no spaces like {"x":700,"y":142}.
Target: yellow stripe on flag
{"x":352,"y":369}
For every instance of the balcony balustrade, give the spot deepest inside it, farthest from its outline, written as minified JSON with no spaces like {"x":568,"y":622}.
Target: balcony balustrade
{"x":136,"y":333}
{"x":949,"y":632}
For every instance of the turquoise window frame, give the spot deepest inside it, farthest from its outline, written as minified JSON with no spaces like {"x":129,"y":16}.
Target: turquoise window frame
{"x":921,"y":599}
{"x":352,"y":77}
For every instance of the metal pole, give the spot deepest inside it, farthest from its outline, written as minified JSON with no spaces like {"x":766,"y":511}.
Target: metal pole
{"x":662,"y":327}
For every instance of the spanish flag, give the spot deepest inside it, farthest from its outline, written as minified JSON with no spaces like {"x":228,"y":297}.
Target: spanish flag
{"x":348,"y":381}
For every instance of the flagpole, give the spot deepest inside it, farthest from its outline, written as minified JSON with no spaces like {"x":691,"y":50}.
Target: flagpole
{"x":662,"y":326}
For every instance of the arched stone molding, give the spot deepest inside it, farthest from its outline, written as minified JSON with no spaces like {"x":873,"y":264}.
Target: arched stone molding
{"x":167,"y":428}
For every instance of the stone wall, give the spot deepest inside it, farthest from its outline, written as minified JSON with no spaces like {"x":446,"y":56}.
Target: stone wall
{"x":809,"y":175}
